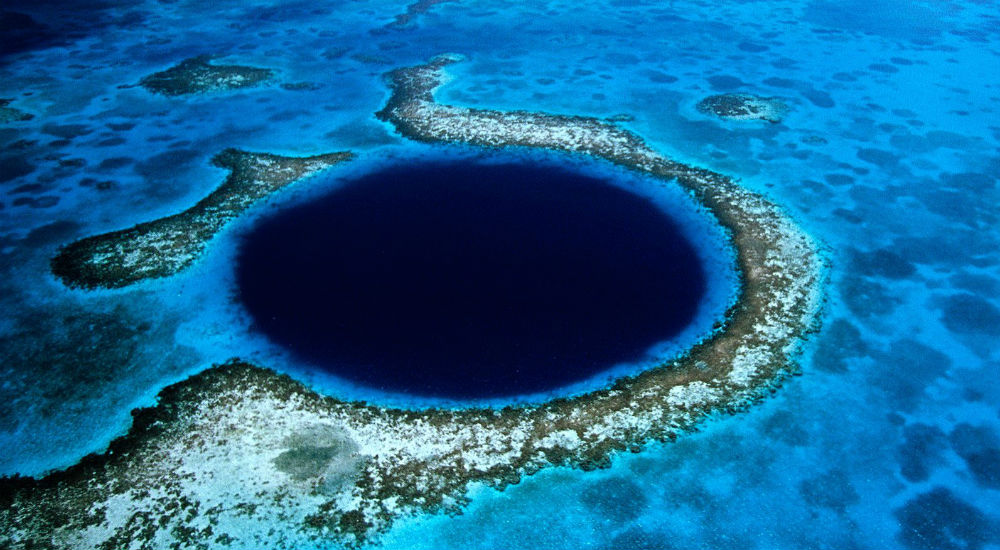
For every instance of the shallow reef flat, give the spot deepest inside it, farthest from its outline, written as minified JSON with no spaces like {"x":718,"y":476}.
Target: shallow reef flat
{"x":744,"y":107}
{"x":230,"y":453}
{"x":196,"y":75}
{"x":163,"y":247}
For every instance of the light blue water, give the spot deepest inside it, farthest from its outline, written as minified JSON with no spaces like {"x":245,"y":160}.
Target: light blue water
{"x":889,"y":156}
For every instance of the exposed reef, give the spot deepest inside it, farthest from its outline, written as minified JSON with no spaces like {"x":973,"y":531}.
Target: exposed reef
{"x":744,"y":107}
{"x":162,"y":247}
{"x":204,"y":466}
{"x":10,"y":114}
{"x":195,"y":75}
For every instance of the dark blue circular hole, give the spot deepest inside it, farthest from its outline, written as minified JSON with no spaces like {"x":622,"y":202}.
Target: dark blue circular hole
{"x":470,"y":280}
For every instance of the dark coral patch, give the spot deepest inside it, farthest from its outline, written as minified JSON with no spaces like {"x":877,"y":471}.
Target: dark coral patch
{"x":818,"y":98}
{"x":725,"y":82}
{"x":784,"y":426}
{"x":906,"y":371}
{"x":979,"y":447}
{"x":22,"y":33}
{"x":752,"y":47}
{"x":45,"y":201}
{"x":13,"y":167}
{"x":660,"y":77}
{"x":115,"y":163}
{"x":638,"y":539}
{"x":921,"y":451}
{"x":300,"y":86}
{"x":939,"y":520}
{"x":121,"y":126}
{"x":111,"y":142}
{"x":779,"y":82}
{"x":830,"y":490}
{"x":618,"y":498}
{"x":840,"y":342}
{"x":67,"y":131}
{"x":867,"y":298}
{"x":983,"y":285}
{"x":975,"y":182}
{"x":883,"y":262}
{"x":884,"y":68}
{"x":10,"y":114}
{"x":162,"y":167}
{"x":839,"y":179}
{"x":970,"y":314}
{"x":879,"y":157}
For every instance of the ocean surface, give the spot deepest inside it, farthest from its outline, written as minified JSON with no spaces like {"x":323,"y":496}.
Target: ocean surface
{"x":888,"y":156}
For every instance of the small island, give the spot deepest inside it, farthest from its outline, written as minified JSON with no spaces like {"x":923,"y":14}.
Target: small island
{"x":162,"y":247}
{"x":196,"y":76}
{"x":744,"y":107}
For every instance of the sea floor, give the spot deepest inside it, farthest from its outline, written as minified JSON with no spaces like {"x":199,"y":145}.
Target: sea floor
{"x":888,"y":155}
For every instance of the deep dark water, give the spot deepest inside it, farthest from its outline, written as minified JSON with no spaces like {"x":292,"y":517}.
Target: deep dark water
{"x":470,"y":280}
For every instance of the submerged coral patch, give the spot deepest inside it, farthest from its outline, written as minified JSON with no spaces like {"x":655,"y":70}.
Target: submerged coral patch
{"x":167,"y":245}
{"x":196,"y":75}
{"x":217,"y":438}
{"x":744,"y":107}
{"x":10,"y":114}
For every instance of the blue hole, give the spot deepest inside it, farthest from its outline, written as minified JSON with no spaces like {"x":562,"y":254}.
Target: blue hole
{"x":470,"y":280}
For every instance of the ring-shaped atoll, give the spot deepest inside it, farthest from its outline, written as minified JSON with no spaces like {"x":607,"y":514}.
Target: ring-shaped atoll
{"x":230,"y":452}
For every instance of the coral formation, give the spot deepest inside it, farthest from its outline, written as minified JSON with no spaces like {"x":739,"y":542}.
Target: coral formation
{"x":10,"y":114}
{"x":167,"y":245}
{"x":744,"y":107}
{"x":196,"y":75}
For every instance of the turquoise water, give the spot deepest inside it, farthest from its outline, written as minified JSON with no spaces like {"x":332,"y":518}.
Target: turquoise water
{"x":888,"y":156}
